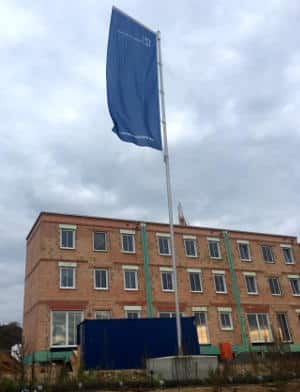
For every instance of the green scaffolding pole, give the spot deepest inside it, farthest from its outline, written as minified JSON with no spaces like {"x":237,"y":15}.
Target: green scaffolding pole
{"x":236,"y":292}
{"x":147,"y":271}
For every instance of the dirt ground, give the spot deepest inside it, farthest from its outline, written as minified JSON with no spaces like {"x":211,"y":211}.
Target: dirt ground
{"x":290,"y":387}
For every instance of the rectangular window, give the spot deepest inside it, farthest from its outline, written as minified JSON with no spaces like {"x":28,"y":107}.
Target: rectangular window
{"x":103,"y":314}
{"x":128,"y":241}
{"x":132,"y":314}
{"x":99,"y":241}
{"x":167,"y":314}
{"x":251,"y":284}
{"x":284,"y":330}
{"x":130,"y":279}
{"x":259,"y":328}
{"x":101,"y":279}
{"x":167,"y":280}
{"x":64,"y":328}
{"x":163,"y":243}
{"x":244,"y":250}
{"x":67,"y":236}
{"x":295,"y":285}
{"x":214,"y":248}
{"x":190,"y":247}
{"x":267,"y":252}
{"x":202,"y":327}
{"x":287,"y":254}
{"x":274,"y":285}
{"x":225,"y":319}
{"x":195,"y":281}
{"x":67,"y":277}
{"x":220,"y":284}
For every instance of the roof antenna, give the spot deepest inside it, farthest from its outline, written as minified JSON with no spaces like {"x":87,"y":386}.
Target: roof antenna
{"x":181,"y":219}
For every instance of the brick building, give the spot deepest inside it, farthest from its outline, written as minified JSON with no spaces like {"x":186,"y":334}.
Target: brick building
{"x":242,"y":287}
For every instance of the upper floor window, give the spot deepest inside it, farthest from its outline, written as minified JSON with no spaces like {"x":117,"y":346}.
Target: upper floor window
{"x":267,"y":252}
{"x":274,"y":285}
{"x":287,"y":252}
{"x":163,"y":243}
{"x":130,"y":277}
{"x":103,"y":314}
{"x":214,"y":248}
{"x":190,"y":246}
{"x":67,"y":275}
{"x":99,"y":241}
{"x":225,"y":319}
{"x":64,"y":328}
{"x":219,"y":280}
{"x":195,"y":280}
{"x":67,"y":236}
{"x":167,"y":279}
{"x":251,"y":284}
{"x":295,"y":284}
{"x":128,"y":241}
{"x":244,"y":250}
{"x":101,"y":279}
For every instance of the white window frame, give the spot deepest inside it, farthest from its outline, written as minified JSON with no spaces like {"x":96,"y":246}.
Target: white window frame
{"x":244,"y":242}
{"x":131,"y":233}
{"x":190,"y":238}
{"x":167,"y":270}
{"x":287,"y":246}
{"x":108,"y":311}
{"x":131,"y":268}
{"x":168,"y":238}
{"x":107,"y":276}
{"x":279,"y":285}
{"x":217,"y":241}
{"x":66,"y":326}
{"x":93,"y":239}
{"x":294,"y":277}
{"x":224,"y":280}
{"x":132,"y":309}
{"x":198,"y":272}
{"x":225,"y":311}
{"x":202,"y":310}
{"x":251,"y":275}
{"x":170,"y":313}
{"x":273,"y":258}
{"x":259,"y":327}
{"x":63,"y":265}
{"x":71,"y":228}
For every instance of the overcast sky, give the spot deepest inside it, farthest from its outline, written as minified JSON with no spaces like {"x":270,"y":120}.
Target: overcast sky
{"x":232,"y":78}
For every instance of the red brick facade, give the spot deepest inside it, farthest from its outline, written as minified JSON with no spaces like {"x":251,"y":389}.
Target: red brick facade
{"x":44,"y":295}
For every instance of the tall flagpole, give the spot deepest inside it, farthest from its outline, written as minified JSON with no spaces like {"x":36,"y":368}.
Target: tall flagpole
{"x":169,"y":190}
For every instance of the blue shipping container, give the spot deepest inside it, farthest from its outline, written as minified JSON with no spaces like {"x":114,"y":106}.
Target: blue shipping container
{"x":126,"y":343}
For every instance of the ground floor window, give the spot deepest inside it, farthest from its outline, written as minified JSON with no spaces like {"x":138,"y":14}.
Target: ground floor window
{"x":167,"y":314}
{"x":284,"y":330}
{"x":259,"y":328}
{"x":202,"y":327}
{"x":64,"y":327}
{"x":103,"y":314}
{"x":132,"y":314}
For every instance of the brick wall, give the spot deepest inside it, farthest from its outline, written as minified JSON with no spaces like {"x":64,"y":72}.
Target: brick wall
{"x":42,"y":292}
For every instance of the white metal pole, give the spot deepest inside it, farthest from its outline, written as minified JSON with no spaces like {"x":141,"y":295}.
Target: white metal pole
{"x":169,"y":190}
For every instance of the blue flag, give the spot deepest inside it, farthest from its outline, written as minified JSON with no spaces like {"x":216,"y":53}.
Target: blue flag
{"x":132,"y":81}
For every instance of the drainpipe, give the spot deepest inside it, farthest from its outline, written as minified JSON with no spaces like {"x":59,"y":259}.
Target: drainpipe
{"x":235,"y":290}
{"x":146,"y":271}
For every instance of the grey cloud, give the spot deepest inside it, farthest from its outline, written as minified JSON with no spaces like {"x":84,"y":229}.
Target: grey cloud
{"x":232,"y":82}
